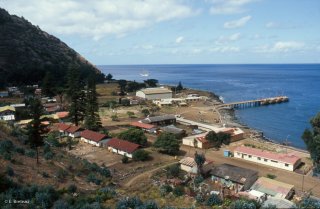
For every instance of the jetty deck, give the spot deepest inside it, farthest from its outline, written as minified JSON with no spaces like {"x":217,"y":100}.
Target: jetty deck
{"x":255,"y":103}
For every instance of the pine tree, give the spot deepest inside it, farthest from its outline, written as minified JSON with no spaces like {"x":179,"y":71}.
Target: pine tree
{"x":48,"y":85}
{"x":35,"y":128}
{"x":76,"y":96}
{"x":92,"y":119}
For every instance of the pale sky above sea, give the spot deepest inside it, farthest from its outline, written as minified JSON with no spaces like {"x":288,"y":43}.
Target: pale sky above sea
{"x":180,"y":31}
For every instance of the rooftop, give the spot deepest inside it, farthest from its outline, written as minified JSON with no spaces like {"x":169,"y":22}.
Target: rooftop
{"x":156,"y":91}
{"x":7,"y":108}
{"x":282,"y":157}
{"x":233,"y":173}
{"x":73,"y":129}
{"x":141,"y":125}
{"x":123,"y":145}
{"x":172,"y":129}
{"x":92,"y":135}
{"x":63,"y":126}
{"x":158,"y":118}
{"x":272,"y":187}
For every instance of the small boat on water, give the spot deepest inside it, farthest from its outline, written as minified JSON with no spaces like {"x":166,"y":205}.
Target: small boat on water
{"x":144,"y":73}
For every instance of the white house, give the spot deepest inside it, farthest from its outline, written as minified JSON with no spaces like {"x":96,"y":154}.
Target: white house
{"x":69,"y":130}
{"x":7,"y":113}
{"x":122,"y":147}
{"x":279,"y":160}
{"x":198,"y":141}
{"x":94,"y":138}
{"x":189,"y":165}
{"x":154,"y":93}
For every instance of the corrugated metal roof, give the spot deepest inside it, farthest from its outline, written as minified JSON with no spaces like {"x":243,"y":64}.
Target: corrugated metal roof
{"x":282,"y":157}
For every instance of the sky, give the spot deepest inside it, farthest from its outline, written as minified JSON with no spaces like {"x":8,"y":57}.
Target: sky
{"x":121,"y":32}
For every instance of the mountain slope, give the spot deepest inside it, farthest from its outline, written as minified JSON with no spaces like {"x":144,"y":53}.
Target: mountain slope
{"x":27,"y":52}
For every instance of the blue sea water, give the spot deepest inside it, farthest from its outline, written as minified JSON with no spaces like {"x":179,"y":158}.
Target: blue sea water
{"x":300,"y":82}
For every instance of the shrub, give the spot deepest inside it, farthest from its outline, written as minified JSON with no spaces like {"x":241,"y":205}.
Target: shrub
{"x":72,"y":188}
{"x":167,"y":143}
{"x":105,"y":172}
{"x":242,"y":204}
{"x":271,"y":176}
{"x":125,"y":159}
{"x":9,"y":171}
{"x":214,"y":200}
{"x":46,"y":148}
{"x":200,"y":198}
{"x":92,"y":178}
{"x":7,"y":156}
{"x":132,"y":202}
{"x":106,"y":193}
{"x":173,"y":170}
{"x":52,"y":139}
{"x":6,"y":146}
{"x":20,"y":150}
{"x":45,"y":174}
{"x":198,"y":179}
{"x":140,"y":155}
{"x":31,"y":153}
{"x":61,"y":174}
{"x":48,"y":155}
{"x":61,"y":204}
{"x":165,"y":189}
{"x":178,"y":191}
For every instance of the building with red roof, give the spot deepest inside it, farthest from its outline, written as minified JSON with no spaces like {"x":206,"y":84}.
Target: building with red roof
{"x":287,"y":161}
{"x":143,"y":126}
{"x":69,"y":130}
{"x":94,"y":138}
{"x":198,"y":141}
{"x":122,"y":147}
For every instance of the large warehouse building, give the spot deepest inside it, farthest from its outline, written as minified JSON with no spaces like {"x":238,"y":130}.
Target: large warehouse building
{"x":154,"y":93}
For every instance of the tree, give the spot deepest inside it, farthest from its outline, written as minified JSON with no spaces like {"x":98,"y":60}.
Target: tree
{"x":151,"y":82}
{"x":173,"y":170}
{"x":134,"y":135}
{"x":312,"y":140}
{"x":167,"y":143}
{"x":109,"y":77}
{"x":145,"y":112}
{"x":200,"y":159}
{"x":134,"y":86}
{"x":130,"y":114}
{"x":125,"y":159}
{"x":48,"y":85}
{"x":224,"y":138}
{"x":214,"y":200}
{"x":212,"y":137}
{"x":140,"y":155}
{"x":179,"y":87}
{"x":122,"y":85}
{"x":154,"y":108}
{"x":35,"y":128}
{"x":92,"y":119}
{"x":60,"y":93}
{"x":76,"y":95}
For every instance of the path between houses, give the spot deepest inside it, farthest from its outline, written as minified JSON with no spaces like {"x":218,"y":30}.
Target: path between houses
{"x":146,"y":173}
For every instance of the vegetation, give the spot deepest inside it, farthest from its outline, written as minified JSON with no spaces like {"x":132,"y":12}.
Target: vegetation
{"x":312,"y":140}
{"x":167,"y":143}
{"x":214,"y":200}
{"x":92,"y":119}
{"x":179,"y":88}
{"x":76,"y":95}
{"x":29,"y":56}
{"x":140,"y":155}
{"x":130,"y":114}
{"x":134,"y":135}
{"x":271,"y":176}
{"x":173,"y":171}
{"x":35,"y":128}
{"x":200,"y":159}
{"x":125,"y":159}
{"x":145,"y":112}
{"x":151,"y":82}
{"x":217,"y":139}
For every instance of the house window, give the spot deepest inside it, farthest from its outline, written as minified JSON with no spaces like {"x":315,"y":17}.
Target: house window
{"x":250,"y":156}
{"x":286,"y":164}
{"x":265,"y":160}
{"x":259,"y":158}
{"x":274,"y":161}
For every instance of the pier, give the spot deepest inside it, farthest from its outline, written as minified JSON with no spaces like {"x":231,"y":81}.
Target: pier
{"x":255,"y":103}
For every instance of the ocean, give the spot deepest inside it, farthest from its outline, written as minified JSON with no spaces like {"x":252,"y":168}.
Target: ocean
{"x":279,"y":122}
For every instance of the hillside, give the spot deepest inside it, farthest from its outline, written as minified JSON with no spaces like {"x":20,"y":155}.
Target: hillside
{"x":27,"y":52}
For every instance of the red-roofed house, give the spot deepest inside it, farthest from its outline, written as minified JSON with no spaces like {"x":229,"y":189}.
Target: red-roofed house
{"x":69,"y":130}
{"x":74,"y":131}
{"x":93,"y":138}
{"x":279,"y":160}
{"x":122,"y":147}
{"x":143,"y":126}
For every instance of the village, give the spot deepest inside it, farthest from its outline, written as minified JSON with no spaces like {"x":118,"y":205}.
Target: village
{"x":213,"y":154}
